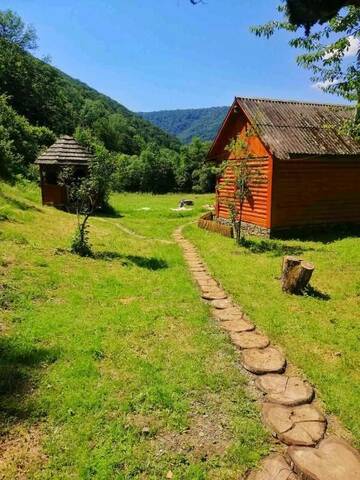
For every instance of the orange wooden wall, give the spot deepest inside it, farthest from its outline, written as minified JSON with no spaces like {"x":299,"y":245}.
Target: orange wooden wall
{"x":257,"y":209}
{"x":315,"y":191}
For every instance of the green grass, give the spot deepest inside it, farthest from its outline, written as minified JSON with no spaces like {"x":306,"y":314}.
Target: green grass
{"x":319,"y":332}
{"x":111,"y":367}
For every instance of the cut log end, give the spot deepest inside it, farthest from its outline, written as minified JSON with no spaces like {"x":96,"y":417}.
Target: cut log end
{"x":296,"y":274}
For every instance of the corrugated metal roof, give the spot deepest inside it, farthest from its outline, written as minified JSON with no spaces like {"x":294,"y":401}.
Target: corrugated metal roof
{"x":290,"y":128}
{"x":65,"y":151}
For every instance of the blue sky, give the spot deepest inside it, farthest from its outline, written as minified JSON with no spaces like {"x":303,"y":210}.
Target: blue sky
{"x":166,"y":54}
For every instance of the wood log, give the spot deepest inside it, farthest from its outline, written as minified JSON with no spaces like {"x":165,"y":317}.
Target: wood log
{"x":296,"y":274}
{"x":305,"y":272}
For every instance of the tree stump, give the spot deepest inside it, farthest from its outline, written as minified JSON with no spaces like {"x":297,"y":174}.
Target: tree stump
{"x":295,"y":275}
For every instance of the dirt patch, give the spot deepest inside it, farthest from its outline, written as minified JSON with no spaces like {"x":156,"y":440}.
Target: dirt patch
{"x":208,"y":433}
{"x":21,"y":452}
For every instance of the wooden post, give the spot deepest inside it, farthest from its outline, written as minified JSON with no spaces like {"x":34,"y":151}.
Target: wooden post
{"x":295,"y":274}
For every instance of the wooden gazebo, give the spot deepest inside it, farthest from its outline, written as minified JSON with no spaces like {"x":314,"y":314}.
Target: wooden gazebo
{"x":66,"y":151}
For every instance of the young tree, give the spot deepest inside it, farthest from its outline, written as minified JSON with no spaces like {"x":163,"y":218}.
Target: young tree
{"x":86,"y":193}
{"x":245,"y":175}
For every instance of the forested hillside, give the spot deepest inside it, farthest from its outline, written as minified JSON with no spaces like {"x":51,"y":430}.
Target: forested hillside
{"x":38,"y":103}
{"x":186,"y":124}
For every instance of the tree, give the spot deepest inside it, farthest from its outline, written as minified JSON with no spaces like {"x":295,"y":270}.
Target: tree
{"x":20,"y":142}
{"x":244,"y":177}
{"x":306,"y":13}
{"x":331,"y":51}
{"x":193,"y":172}
{"x":86,"y":193}
{"x":14,"y":30}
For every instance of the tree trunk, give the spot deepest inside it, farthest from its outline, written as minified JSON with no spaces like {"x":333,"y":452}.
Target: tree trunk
{"x":295,"y":275}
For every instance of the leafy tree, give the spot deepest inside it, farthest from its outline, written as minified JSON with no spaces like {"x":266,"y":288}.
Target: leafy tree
{"x":193,"y":171}
{"x":245,"y":177}
{"x":20,"y":142}
{"x":331,"y":51}
{"x":306,"y":13}
{"x":14,"y":30}
{"x":86,"y":193}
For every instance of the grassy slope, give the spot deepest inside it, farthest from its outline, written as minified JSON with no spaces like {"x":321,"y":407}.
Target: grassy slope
{"x":110,"y":367}
{"x":321,"y":336}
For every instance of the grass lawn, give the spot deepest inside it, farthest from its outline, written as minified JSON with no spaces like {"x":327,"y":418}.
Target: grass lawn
{"x":320,"y":333}
{"x":110,"y":367}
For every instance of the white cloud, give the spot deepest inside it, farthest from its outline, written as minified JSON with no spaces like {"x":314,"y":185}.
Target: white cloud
{"x":322,"y":85}
{"x":353,"y":48}
{"x":351,"y":51}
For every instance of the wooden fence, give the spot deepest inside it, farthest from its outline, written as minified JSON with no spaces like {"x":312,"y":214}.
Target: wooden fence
{"x":207,"y":223}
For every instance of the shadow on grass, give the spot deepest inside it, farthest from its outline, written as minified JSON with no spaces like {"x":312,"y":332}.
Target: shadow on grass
{"x":325,"y":234}
{"x":108,"y":211}
{"x":150,"y":263}
{"x":310,"y":291}
{"x":18,"y":203}
{"x":278,"y":249}
{"x":18,"y":376}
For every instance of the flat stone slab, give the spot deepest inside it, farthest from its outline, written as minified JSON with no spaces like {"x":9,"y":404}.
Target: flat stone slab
{"x":222,"y":304}
{"x":261,"y":361}
{"x":237,"y":326}
{"x":290,"y":391}
{"x":304,"y":425}
{"x":214,"y":294}
{"x":334,"y":459}
{"x":273,"y":468}
{"x":249,"y":340}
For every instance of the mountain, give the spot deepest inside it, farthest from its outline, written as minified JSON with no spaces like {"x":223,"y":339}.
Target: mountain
{"x":186,"y":124}
{"x":47,"y":97}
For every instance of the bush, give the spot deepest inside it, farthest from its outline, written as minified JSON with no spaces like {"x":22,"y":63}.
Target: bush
{"x":20,"y":142}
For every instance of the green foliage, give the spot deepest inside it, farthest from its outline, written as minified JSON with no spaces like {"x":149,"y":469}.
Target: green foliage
{"x":325,"y":49}
{"x":87,"y":192}
{"x":245,"y":176}
{"x":306,"y":13}
{"x":189,"y":123}
{"x":194,"y":173}
{"x":20,"y":142}
{"x":49,"y":98}
{"x":13,"y":29}
{"x":160,"y":170}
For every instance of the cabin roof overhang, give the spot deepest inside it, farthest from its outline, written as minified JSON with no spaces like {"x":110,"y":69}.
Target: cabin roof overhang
{"x":66,"y":151}
{"x":291,"y":129}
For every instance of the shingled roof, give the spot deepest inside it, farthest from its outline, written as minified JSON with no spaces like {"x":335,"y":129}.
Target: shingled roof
{"x":65,"y":151}
{"x":291,"y":129}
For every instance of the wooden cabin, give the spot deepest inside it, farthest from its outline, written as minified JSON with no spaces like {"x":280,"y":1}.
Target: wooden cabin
{"x":65,"y":152}
{"x":308,"y":172}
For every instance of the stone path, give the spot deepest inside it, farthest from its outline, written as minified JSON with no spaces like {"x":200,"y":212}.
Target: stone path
{"x":287,"y":403}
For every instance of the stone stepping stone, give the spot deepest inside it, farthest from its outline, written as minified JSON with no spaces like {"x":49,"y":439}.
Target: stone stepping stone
{"x":334,"y":459}
{"x":273,"y":468}
{"x":222,"y":304}
{"x":290,"y":391}
{"x":303,"y":425}
{"x":261,"y":361}
{"x":237,"y":326}
{"x":214,"y":294}
{"x":249,"y":340}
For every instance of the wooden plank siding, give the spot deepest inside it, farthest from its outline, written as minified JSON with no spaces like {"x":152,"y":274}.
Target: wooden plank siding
{"x":315,"y":191}
{"x":256,"y":209}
